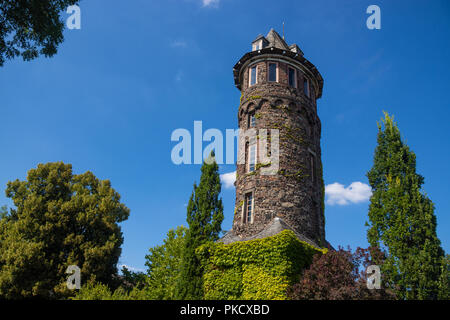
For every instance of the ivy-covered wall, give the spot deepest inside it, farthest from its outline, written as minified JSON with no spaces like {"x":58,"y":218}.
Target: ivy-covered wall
{"x":259,"y":269}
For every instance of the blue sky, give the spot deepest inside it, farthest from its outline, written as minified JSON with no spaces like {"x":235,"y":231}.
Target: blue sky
{"x":137,"y":70}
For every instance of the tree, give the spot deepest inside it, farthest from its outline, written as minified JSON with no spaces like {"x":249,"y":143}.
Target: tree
{"x":131,"y":279}
{"x":339,"y":275}
{"x":60,"y":219}
{"x":163,"y":262}
{"x":402,"y":219}
{"x":164,"y":266}
{"x":3,"y":212}
{"x":98,"y":291}
{"x":204,"y":216}
{"x":31,"y":27}
{"x":444,"y":281}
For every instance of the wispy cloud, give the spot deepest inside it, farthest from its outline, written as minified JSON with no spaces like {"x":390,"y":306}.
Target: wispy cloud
{"x":178,"y":44}
{"x":179,"y":76}
{"x":210,"y":3}
{"x":228,"y":179}
{"x":338,"y":194}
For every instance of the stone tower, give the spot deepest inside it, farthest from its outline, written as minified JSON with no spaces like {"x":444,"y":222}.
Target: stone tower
{"x":279,"y":89}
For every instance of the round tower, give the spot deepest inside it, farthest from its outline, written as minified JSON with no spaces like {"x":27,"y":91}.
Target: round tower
{"x":279,"y":89}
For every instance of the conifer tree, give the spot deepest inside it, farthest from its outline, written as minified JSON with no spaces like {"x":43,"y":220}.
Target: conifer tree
{"x":204,"y":216}
{"x":402,"y":219}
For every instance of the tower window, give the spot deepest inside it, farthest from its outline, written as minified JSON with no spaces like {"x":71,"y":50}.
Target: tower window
{"x":306,"y":87}
{"x":253,"y":75}
{"x":252,"y":158}
{"x":249,"y":207}
{"x":292,"y":77}
{"x":273,"y":70}
{"x":251,"y":120}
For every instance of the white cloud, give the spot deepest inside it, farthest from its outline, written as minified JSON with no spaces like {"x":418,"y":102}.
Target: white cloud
{"x":178,"y":44}
{"x":338,"y":194}
{"x":179,"y":76}
{"x":228,"y":179}
{"x":207,"y":3}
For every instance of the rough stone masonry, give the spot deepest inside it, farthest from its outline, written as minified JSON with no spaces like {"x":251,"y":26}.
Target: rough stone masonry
{"x":281,"y":94}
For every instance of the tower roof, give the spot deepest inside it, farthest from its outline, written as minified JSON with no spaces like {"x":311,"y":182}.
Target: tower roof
{"x":275,"y":40}
{"x":273,"y":44}
{"x":276,"y":226}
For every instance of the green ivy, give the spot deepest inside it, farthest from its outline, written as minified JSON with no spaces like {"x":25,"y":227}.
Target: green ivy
{"x":256,"y":269}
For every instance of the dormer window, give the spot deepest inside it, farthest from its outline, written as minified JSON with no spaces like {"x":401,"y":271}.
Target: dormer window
{"x":253,"y":75}
{"x":257,"y":45}
{"x":292,"y":77}
{"x":273,"y":72}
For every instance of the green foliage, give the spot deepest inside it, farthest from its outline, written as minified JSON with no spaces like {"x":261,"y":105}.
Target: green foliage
{"x":258,"y":284}
{"x":60,"y":219}
{"x":93,"y":291}
{"x":444,"y":280}
{"x":204,"y":216}
{"x":3,"y":212}
{"x":133,"y":279}
{"x":402,"y":219}
{"x":29,"y":28}
{"x":256,"y":269}
{"x":98,"y":291}
{"x":159,"y":283}
{"x":164,"y":266}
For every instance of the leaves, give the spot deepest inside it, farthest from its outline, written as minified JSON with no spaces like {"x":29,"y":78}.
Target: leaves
{"x":164,"y":266}
{"x":256,"y":269}
{"x":60,"y":219}
{"x":204,"y":216}
{"x":32,"y":27}
{"x":338,"y":275}
{"x":402,"y":219}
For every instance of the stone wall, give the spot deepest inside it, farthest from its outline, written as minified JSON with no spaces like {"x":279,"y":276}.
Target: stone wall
{"x":295,"y":193}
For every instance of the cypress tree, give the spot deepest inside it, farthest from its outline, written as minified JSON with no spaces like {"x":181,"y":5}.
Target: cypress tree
{"x":402,"y":219}
{"x":204,"y":216}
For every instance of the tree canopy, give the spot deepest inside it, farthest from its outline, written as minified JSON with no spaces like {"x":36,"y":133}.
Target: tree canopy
{"x":339,"y":275}
{"x":204,"y":216}
{"x":59,"y":219}
{"x":164,"y":265}
{"x":402,"y":219}
{"x":31,"y":27}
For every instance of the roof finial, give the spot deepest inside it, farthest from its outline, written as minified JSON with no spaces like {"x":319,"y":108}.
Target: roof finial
{"x":283,"y":30}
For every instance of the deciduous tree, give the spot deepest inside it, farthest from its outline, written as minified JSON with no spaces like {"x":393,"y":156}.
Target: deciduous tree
{"x":31,"y":27}
{"x":59,"y":219}
{"x":164,"y":266}
{"x":339,"y":275}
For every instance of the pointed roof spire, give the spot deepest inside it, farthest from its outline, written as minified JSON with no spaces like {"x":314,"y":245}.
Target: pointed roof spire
{"x":275,"y":40}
